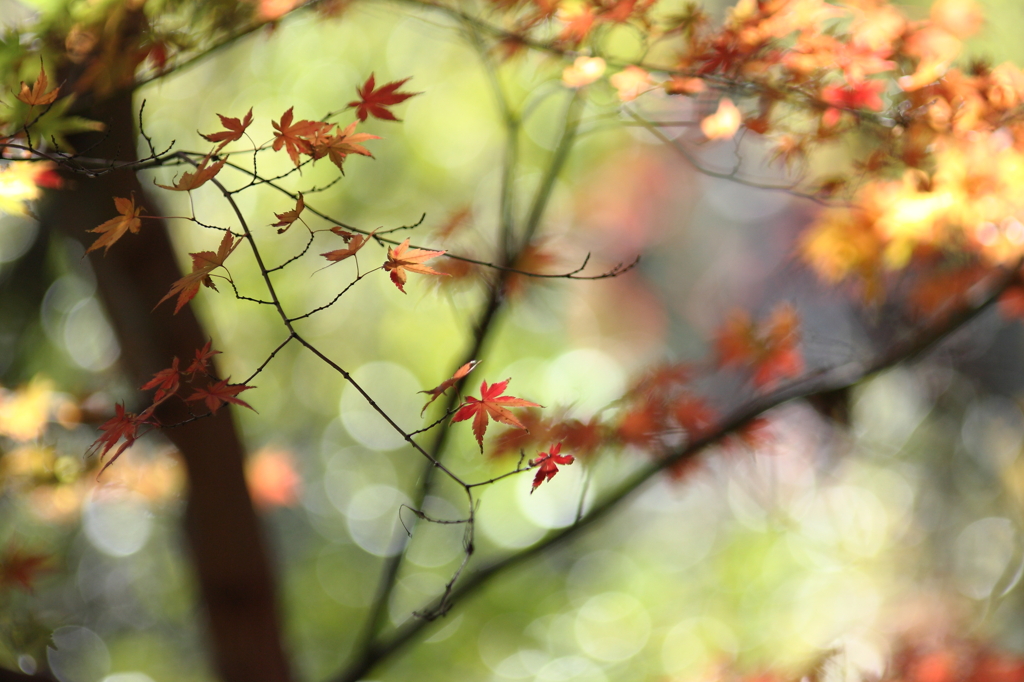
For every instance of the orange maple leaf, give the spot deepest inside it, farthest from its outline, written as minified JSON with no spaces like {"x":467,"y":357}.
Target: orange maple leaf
{"x":166,"y":383}
{"x":203,"y":263}
{"x":285,"y":220}
{"x":354,"y":241}
{"x":234,"y":130}
{"x":191,"y":180}
{"x":548,"y":463}
{"x":37,"y":95}
{"x":402,"y":259}
{"x":491,"y":404}
{"x":375,"y":102}
{"x":219,"y":393}
{"x":338,"y":146}
{"x":436,"y":392}
{"x":294,"y":137}
{"x":114,"y":229}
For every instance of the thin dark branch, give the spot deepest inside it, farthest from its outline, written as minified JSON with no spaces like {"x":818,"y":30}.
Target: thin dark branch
{"x":333,"y":300}
{"x":272,"y":355}
{"x":302,"y":253}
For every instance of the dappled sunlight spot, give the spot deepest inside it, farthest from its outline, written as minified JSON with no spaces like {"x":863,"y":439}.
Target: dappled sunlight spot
{"x":271,"y":10}
{"x":17,"y":234}
{"x":373,"y":520}
{"x":352,"y":469}
{"x":272,"y":478}
{"x":571,"y":669}
{"x":157,"y":478}
{"x":522,"y":664}
{"x":343,"y":572}
{"x":412,"y":593}
{"x":830,"y":604}
{"x":445,"y":132}
{"x":690,"y":515}
{"x":556,"y":503}
{"x":694,"y":645}
{"x":848,"y":517}
{"x":434,"y":544}
{"x":501,"y":519}
{"x":585,"y":379}
{"x":745,"y":507}
{"x":888,"y":409}
{"x":502,"y":638}
{"x":88,"y":338}
{"x":982,"y":552}
{"x":597,"y":572}
{"x":612,"y":626}
{"x":447,"y":631}
{"x":394,"y":388}
{"x":544,"y":125}
{"x":859,"y":656}
{"x":117,"y":522}
{"x":133,"y":676}
{"x":58,"y":503}
{"x":17,"y":186}
{"x":993,"y":432}
{"x":77,"y":655}
{"x":24,"y":412}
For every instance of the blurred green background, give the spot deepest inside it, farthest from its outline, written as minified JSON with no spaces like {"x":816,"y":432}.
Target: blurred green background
{"x":830,"y":538}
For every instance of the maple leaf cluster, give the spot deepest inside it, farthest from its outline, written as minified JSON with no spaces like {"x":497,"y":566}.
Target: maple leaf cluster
{"x":124,"y":426}
{"x":318,"y":139}
{"x":661,"y":410}
{"x":493,"y":405}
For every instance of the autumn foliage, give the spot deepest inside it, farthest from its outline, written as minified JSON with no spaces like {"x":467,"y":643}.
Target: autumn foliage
{"x":923,"y":214}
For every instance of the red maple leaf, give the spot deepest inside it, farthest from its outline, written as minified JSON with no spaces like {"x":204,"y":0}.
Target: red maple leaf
{"x":201,"y":365}
{"x":166,"y":383}
{"x":375,"y":103}
{"x":863,"y":95}
{"x":216,"y":394}
{"x":491,"y":404}
{"x":122,"y":425}
{"x":234,"y":129}
{"x":436,"y":392}
{"x":548,"y":463}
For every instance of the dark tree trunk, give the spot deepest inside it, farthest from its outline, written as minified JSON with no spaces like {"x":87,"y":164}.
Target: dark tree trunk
{"x":227,"y":548}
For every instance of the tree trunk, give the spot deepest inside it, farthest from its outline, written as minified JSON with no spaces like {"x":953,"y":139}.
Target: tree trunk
{"x":227,"y":548}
